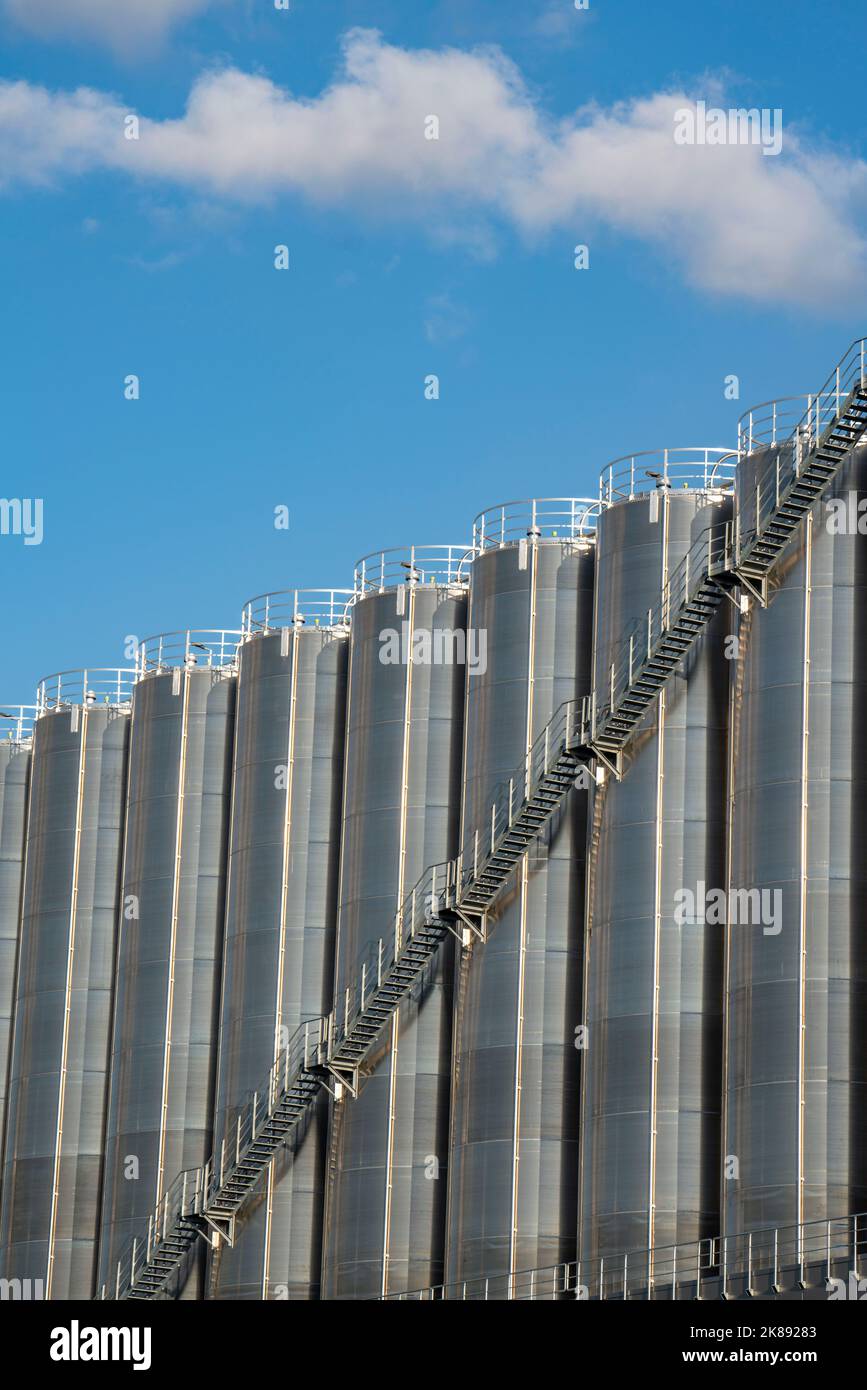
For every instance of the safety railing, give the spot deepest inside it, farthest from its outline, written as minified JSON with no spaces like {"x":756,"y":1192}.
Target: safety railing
{"x":701,"y":469}
{"x":434,"y":893}
{"x":828,"y":1255}
{"x":773,"y":422}
{"x":93,"y":685}
{"x":444,"y":565}
{"x":565,"y":730}
{"x":758,"y":500}
{"x":710,"y":555}
{"x":214,"y":647}
{"x":305,"y":1049}
{"x":195,"y":1189}
{"x":328,"y":608}
{"x":16,"y":723}
{"x":183,"y":1199}
{"x":549,"y":518}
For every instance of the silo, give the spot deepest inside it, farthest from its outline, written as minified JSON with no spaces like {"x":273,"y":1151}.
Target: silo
{"x":16,"y":732}
{"x":280,"y":917}
{"x":387,"y":1154}
{"x":164,"y":1044}
{"x":796,"y":1059}
{"x":57,"y":1086}
{"x":653,"y":995}
{"x":514,"y":1126}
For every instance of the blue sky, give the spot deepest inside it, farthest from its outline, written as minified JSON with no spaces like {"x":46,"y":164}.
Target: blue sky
{"x":305,"y":387}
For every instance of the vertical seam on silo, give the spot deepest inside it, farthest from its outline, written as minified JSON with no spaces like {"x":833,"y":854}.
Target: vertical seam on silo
{"x":459,"y":973}
{"x":401,"y":874}
{"x":522,"y":930}
{"x":329,"y":1272}
{"x":111,"y":1086}
{"x":176,"y":888}
{"x":592,"y":848}
{"x":734,"y":707}
{"x":70,"y":958}
{"x":804,"y":831}
{"x":4,"y":1133}
{"x":281,"y":953}
{"x":657,"y":919}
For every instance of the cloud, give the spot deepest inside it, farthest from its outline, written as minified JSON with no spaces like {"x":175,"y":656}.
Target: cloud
{"x":445,"y":321}
{"x":733,"y":221}
{"x":122,"y":24}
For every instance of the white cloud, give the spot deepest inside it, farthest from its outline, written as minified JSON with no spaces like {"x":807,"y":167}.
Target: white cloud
{"x":734,"y":221}
{"x":123,"y":24}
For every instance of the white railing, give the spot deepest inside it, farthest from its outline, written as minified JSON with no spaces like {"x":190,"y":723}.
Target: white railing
{"x":550,"y":518}
{"x":16,"y":723}
{"x":214,"y":647}
{"x":773,"y":422}
{"x":815,"y":1254}
{"x":94,"y":685}
{"x":328,"y":608}
{"x":444,"y":565}
{"x":703,"y":470}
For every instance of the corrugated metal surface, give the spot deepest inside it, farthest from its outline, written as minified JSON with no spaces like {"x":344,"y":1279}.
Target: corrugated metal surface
{"x":513,"y":1155}
{"x":14,"y":784}
{"x":796,"y":1074}
{"x":164,"y":1048}
{"x":651,"y":1103}
{"x":57,"y":1092}
{"x":386,"y":1183}
{"x":280,"y":925}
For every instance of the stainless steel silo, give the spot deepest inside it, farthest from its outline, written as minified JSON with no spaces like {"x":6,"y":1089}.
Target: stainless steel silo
{"x":514,"y":1128}
{"x":388,"y":1149}
{"x":16,"y":732}
{"x":57,"y":1088}
{"x":795,"y":1138}
{"x":653,"y":998}
{"x":166,"y":1019}
{"x":278,"y":969}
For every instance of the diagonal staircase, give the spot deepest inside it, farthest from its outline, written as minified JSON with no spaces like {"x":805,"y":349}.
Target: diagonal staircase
{"x":207,"y":1201}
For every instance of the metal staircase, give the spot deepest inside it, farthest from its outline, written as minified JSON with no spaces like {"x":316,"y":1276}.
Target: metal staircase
{"x":522,"y":806}
{"x":597,"y":728}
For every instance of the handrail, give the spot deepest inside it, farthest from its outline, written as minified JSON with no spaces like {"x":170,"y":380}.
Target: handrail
{"x":195,"y":1188}
{"x":443,"y":565}
{"x":16,"y":723}
{"x":633,"y":475}
{"x":772,"y":422}
{"x":212,"y":647}
{"x":327,"y":608}
{"x":709,"y":555}
{"x":786,"y":460}
{"x":816,"y":1253}
{"x":557,"y":518}
{"x":433,"y":893}
{"x":103,"y":685}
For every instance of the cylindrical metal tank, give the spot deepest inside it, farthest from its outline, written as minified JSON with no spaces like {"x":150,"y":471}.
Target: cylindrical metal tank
{"x":278,"y":969}
{"x":166,"y":1018}
{"x":795,"y":1139}
{"x":16,"y":732}
{"x":385,"y":1200}
{"x":57,"y":1087}
{"x":514,"y":1126}
{"x":653,"y":997}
